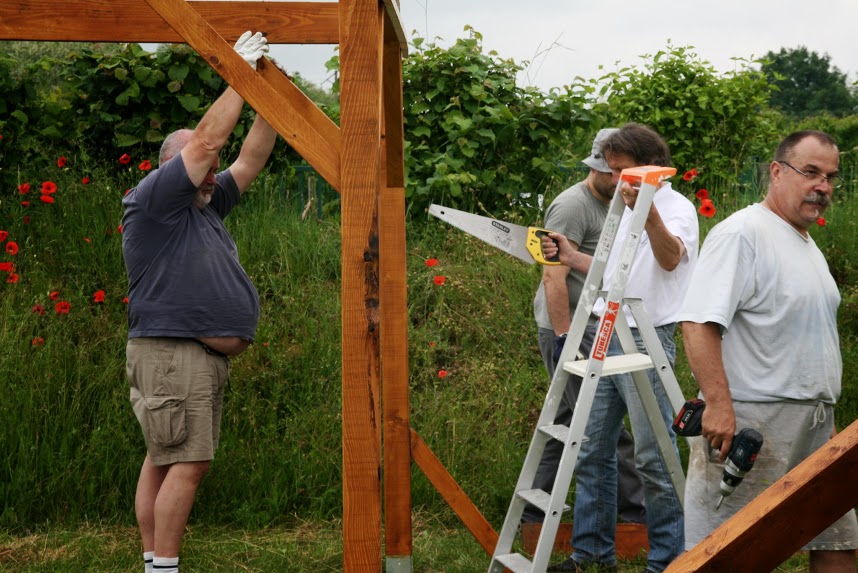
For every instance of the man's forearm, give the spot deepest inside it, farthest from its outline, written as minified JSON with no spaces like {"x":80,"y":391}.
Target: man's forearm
{"x":217,"y":124}
{"x":254,"y":153}
{"x":666,"y":247}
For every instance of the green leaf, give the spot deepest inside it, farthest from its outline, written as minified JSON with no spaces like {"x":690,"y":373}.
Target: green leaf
{"x":178,"y":72}
{"x":190,"y":103}
{"x":126,"y":140}
{"x":120,"y":74}
{"x":20,"y":116}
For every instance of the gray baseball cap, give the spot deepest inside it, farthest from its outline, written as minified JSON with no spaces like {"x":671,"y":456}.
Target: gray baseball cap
{"x":597,"y":160}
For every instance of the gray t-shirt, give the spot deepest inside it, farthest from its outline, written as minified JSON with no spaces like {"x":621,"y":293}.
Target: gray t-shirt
{"x":770,"y":290}
{"x":578,"y":215}
{"x":184,"y":277}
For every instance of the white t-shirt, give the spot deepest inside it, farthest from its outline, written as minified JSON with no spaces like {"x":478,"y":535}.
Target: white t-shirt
{"x":661,"y":291}
{"x":770,"y":290}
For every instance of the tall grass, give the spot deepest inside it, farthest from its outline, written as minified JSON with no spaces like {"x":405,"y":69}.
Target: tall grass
{"x":70,"y":447}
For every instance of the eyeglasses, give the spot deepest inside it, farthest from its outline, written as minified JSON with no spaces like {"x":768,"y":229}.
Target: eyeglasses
{"x":816,"y":178}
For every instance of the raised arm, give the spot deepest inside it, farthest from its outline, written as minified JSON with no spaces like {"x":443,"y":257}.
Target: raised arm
{"x":254,"y":153}
{"x":200,"y":155}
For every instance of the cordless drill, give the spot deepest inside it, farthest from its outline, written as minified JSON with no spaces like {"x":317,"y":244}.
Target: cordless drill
{"x":743,"y":451}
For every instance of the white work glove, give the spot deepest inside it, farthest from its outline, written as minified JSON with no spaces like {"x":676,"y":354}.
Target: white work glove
{"x":251,"y":47}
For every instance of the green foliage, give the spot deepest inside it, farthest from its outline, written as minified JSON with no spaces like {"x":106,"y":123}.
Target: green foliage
{"x":844,"y":130}
{"x":807,"y":84}
{"x":476,"y":140}
{"x":712,"y":123}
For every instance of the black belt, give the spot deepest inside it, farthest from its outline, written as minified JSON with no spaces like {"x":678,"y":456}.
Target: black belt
{"x":211,"y":350}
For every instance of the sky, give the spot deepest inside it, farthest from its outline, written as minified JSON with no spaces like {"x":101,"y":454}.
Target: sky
{"x":566,"y":38}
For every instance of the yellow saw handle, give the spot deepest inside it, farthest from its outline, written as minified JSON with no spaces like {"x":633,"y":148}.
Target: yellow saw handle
{"x":534,"y":246}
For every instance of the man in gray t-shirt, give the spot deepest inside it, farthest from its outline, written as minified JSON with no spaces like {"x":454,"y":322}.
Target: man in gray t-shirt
{"x":191,"y":306}
{"x":579,"y":214}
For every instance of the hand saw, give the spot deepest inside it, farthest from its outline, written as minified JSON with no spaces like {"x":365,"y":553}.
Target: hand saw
{"x":521,"y":242}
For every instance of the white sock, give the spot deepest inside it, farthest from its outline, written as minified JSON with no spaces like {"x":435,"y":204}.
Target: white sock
{"x":165,"y":565}
{"x":147,"y":560}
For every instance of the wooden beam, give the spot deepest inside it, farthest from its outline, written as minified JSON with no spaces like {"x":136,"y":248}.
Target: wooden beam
{"x":397,"y":25}
{"x":360,"y":121}
{"x":394,"y":309}
{"x":788,"y":514}
{"x":136,"y":21}
{"x":300,"y":122}
{"x":458,"y":500}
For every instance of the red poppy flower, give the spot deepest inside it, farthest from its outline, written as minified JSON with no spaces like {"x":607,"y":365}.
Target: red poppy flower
{"x":38,"y":341}
{"x":61,"y":162}
{"x":12,"y":278}
{"x":439,"y":279}
{"x":3,"y":235}
{"x":24,"y":188}
{"x":49,"y":187}
{"x":821,"y":221}
{"x":26,"y":219}
{"x":707,"y":209}
{"x":87,"y":239}
{"x":98,"y":296}
{"x":442,"y":373}
{"x":39,"y":309}
{"x":25,"y":203}
{"x":125,"y":300}
{"x":46,"y":199}
{"x":12,"y":248}
{"x":7,"y":267}
{"x":145,"y":166}
{"x":124,"y":159}
{"x":63,"y":307}
{"x":55,"y":295}
{"x":702,"y":194}
{"x":431,"y":344}
{"x":689,"y":175}
{"x":431,"y":262}
{"x":85,"y":180}
{"x":119,"y":229}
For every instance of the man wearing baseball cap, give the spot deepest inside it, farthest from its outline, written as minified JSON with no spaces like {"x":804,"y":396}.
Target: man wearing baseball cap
{"x":578,"y":213}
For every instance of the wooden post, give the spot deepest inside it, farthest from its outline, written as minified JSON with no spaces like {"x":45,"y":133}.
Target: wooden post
{"x":394,"y":315}
{"x":360,"y":125}
{"x":791,"y":512}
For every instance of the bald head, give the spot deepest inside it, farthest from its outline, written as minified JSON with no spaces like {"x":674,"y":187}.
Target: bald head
{"x":173,"y":144}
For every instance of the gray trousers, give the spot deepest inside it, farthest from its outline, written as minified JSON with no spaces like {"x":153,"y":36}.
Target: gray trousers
{"x":630,"y":504}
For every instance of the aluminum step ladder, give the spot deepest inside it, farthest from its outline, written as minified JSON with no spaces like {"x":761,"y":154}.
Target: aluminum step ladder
{"x":598,"y":364}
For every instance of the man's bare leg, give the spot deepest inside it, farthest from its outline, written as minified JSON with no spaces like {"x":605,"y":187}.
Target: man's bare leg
{"x":151,"y":478}
{"x":832,"y":561}
{"x":173,"y":505}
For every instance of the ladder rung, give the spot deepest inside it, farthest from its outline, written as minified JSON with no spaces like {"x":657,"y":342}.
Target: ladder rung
{"x":557,"y":431}
{"x":515,"y":562}
{"x":539,"y":498}
{"x":613,"y":364}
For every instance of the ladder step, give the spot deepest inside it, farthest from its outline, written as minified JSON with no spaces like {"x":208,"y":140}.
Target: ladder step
{"x":613,"y":364}
{"x":539,"y":498}
{"x":515,"y":562}
{"x":557,"y":431}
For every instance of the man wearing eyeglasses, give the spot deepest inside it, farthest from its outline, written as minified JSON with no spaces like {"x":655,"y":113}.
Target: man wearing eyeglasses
{"x":760,"y":332}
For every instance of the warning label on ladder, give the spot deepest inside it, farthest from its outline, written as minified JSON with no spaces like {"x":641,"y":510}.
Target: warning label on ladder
{"x":600,"y":349}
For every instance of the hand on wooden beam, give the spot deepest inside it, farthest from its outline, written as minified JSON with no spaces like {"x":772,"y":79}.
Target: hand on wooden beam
{"x":251,"y":47}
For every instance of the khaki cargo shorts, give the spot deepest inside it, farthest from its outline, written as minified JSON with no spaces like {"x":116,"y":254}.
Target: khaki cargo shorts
{"x":177,"y":395}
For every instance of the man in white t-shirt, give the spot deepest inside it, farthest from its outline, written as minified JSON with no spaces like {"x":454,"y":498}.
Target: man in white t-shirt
{"x":760,"y":332}
{"x":659,"y":275}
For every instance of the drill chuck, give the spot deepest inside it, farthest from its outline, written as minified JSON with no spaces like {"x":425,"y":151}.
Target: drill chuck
{"x":743,"y":453}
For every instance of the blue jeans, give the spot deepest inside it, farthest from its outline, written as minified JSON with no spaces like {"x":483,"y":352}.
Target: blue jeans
{"x":596,"y":469}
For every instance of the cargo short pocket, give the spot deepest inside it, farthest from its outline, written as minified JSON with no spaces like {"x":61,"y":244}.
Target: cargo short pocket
{"x":166,"y":419}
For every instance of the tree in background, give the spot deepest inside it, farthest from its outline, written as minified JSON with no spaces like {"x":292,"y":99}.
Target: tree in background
{"x":807,"y":84}
{"x":474,"y":138}
{"x":713,"y":123}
